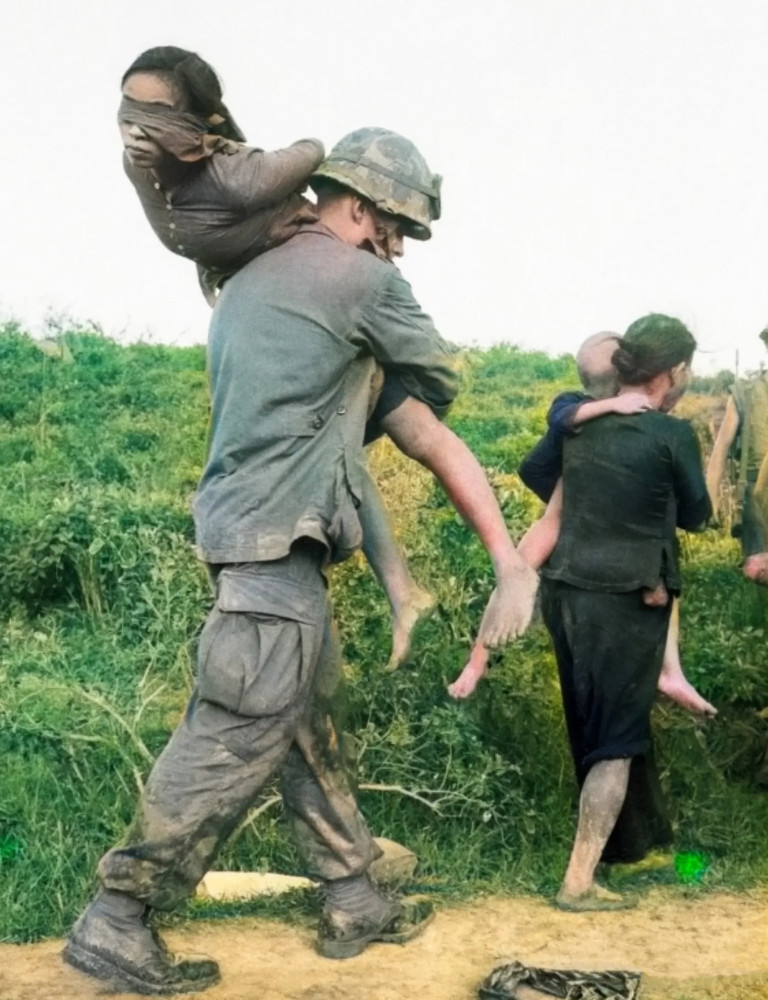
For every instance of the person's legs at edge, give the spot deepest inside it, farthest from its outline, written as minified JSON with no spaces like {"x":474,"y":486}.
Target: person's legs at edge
{"x":409,"y":601}
{"x":755,"y":537}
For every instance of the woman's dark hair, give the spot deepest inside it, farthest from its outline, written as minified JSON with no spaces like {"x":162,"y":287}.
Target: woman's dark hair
{"x":196,"y":82}
{"x":652,"y":345}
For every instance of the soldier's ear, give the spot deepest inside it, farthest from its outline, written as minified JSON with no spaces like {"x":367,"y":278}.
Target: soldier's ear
{"x":358,"y":209}
{"x":679,"y":373}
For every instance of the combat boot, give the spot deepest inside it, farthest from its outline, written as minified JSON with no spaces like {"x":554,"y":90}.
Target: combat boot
{"x":113,"y":941}
{"x":356,"y":914}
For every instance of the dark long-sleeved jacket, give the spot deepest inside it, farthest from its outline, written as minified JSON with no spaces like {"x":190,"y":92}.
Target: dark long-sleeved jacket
{"x":628,"y":483}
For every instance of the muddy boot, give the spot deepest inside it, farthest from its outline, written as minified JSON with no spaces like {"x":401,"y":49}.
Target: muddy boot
{"x":113,"y":942}
{"x":355,"y":915}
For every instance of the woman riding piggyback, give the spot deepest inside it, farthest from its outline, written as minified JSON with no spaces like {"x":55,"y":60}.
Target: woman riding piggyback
{"x":207,"y":195}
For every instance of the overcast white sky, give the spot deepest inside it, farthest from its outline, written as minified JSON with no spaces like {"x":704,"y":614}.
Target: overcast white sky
{"x":601,"y":158}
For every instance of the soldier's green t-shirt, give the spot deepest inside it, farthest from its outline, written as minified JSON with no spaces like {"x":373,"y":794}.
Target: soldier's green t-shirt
{"x":628,"y":483}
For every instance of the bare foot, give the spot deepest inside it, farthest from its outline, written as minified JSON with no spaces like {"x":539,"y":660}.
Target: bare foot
{"x":468,"y":679}
{"x":594,"y":899}
{"x":675,"y":685}
{"x":510,"y":607}
{"x":756,"y":568}
{"x":658,"y":597}
{"x":406,"y":616}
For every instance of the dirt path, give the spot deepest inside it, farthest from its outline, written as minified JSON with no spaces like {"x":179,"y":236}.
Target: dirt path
{"x":679,"y":944}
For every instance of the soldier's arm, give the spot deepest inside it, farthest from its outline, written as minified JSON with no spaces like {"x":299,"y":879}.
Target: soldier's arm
{"x":421,"y":436}
{"x":726,"y":435}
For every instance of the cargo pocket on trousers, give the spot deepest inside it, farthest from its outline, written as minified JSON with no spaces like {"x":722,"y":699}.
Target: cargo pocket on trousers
{"x":253,"y":665}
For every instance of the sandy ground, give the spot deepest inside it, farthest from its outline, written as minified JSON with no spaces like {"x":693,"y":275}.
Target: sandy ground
{"x":681,"y":945}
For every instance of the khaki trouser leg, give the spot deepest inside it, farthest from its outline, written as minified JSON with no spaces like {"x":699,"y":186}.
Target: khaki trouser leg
{"x":198,"y":792}
{"x":319,"y":798}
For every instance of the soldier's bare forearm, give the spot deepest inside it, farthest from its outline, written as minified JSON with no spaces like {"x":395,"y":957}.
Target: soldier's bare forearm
{"x":421,"y":436}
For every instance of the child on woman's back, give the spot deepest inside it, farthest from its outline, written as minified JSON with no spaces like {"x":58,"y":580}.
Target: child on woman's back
{"x":541,"y":472}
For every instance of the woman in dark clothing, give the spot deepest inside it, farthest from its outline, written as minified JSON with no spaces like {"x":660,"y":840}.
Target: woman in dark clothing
{"x":628,"y":483}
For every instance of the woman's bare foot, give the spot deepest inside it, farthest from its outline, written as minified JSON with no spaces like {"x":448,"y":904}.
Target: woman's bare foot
{"x":468,"y":679}
{"x":510,"y":606}
{"x":675,"y":685}
{"x":594,"y":899}
{"x":405,"y":617}
{"x":756,"y":568}
{"x":658,"y":597}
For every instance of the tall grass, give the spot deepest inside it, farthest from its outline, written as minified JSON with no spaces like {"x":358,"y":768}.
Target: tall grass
{"x":101,"y":599}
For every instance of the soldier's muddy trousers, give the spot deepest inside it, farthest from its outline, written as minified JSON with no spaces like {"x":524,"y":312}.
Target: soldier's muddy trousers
{"x":269,"y":680}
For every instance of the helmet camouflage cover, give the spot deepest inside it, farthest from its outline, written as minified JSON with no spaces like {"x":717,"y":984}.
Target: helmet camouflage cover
{"x":388,"y":170}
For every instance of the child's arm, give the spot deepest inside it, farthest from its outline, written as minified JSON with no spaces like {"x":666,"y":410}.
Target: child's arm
{"x":627,"y":403}
{"x":420,"y":435}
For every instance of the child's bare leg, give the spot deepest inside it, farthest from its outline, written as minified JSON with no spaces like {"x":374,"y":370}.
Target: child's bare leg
{"x":408,"y":600}
{"x":475,"y":669}
{"x":672,"y":681}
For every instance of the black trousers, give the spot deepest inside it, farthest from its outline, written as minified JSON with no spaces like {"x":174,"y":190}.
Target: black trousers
{"x":609,"y":648}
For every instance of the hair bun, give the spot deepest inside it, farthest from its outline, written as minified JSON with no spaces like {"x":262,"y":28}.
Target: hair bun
{"x":630,"y":370}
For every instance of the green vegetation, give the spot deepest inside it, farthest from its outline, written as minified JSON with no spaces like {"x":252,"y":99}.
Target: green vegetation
{"x":101,"y":598}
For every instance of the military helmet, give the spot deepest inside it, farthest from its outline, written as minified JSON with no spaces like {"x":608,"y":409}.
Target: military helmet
{"x":388,"y":170}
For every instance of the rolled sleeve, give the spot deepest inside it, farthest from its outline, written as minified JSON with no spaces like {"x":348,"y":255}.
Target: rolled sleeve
{"x":403,"y":339}
{"x":563,"y":410}
{"x":542,"y":467}
{"x":393,"y":393}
